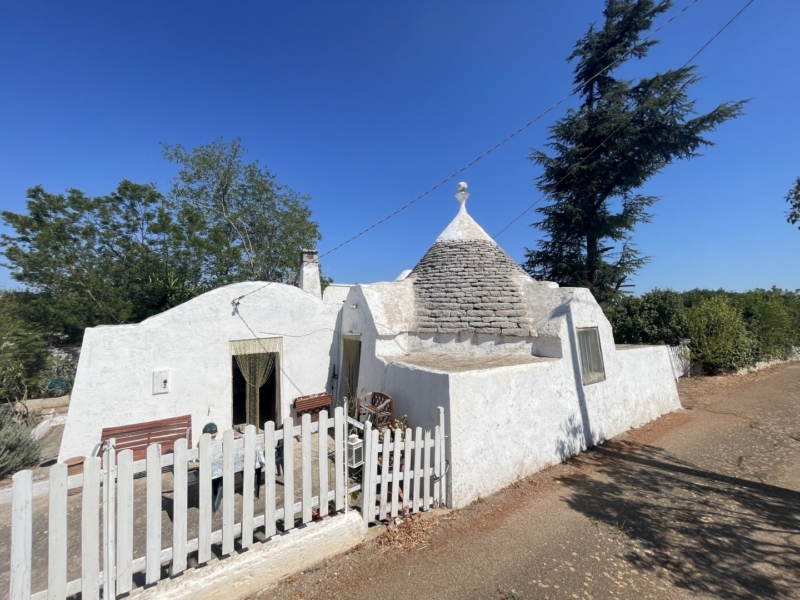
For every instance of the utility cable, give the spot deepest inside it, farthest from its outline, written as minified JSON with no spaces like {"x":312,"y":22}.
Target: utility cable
{"x":600,"y":145}
{"x":510,"y":136}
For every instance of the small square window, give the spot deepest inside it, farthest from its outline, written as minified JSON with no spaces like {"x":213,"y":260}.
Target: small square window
{"x":592,"y":370}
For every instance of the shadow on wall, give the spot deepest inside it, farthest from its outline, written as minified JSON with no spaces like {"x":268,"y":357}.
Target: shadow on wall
{"x":570,"y":439}
{"x":714,"y":534}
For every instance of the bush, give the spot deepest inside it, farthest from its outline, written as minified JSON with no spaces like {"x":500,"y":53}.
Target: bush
{"x":720,"y":339}
{"x":770,"y":323}
{"x":18,"y":449}
{"x":658,"y":317}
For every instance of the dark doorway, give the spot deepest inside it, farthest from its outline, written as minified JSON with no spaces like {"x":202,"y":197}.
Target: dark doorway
{"x":267,"y":396}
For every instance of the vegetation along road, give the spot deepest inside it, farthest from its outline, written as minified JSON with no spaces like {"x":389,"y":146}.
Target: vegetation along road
{"x":703,"y":503}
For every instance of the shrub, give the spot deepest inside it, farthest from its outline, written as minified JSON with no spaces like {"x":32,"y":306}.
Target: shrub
{"x":18,"y":449}
{"x":657,"y":317}
{"x":720,"y":339}
{"x":770,"y":323}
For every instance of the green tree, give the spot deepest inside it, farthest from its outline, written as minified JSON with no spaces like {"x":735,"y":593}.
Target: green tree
{"x":623,"y":132}
{"x":264,"y":224}
{"x":793,"y":198}
{"x":117,"y":258}
{"x":23,"y":354}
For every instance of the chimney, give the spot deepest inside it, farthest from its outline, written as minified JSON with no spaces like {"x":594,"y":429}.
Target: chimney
{"x":309,"y":273}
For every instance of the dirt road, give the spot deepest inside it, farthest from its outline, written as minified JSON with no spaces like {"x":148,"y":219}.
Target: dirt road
{"x":703,"y":503}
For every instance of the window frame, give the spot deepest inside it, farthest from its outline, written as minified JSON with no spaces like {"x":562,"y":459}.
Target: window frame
{"x":590,"y":377}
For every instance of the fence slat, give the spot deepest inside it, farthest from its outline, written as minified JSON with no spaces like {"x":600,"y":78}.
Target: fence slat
{"x":21,"y":535}
{"x":417,"y":497}
{"x":437,"y":443}
{"x":109,"y":521}
{"x":228,"y":515}
{"x":125,"y":521}
{"x":180,"y":486}
{"x":305,"y":461}
{"x":153,"y":556}
{"x":442,"y":459}
{"x":407,"y":471}
{"x":57,"y":533}
{"x":339,"y":437}
{"x":322,"y":451}
{"x":204,"y":530}
{"x":373,"y":477}
{"x":385,"y":460}
{"x":90,"y":530}
{"x":396,"y":454}
{"x":288,"y":474}
{"x":366,"y":475}
{"x":248,"y":483}
{"x":269,"y":476}
{"x":426,"y":471}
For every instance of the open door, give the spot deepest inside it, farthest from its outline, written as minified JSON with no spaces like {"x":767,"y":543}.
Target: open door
{"x":351,"y":360}
{"x":255,"y":378}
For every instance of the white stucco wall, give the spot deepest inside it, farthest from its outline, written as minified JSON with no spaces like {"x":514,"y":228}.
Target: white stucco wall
{"x":113,"y":385}
{"x":508,"y":422}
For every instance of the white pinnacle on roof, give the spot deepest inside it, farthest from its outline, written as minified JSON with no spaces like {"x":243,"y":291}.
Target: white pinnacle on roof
{"x":463,"y":227}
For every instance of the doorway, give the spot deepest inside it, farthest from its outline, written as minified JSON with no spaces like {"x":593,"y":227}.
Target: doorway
{"x":267,"y":397}
{"x":351,"y":359}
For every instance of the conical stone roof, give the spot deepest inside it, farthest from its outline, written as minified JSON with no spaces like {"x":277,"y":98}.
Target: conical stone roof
{"x":466,"y":283}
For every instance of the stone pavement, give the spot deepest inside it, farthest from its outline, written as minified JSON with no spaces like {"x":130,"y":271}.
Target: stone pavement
{"x":703,"y":503}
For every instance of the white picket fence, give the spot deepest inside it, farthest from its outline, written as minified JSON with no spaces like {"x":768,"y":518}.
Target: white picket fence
{"x":418,"y":466}
{"x":114,"y":477}
{"x":424,"y":483}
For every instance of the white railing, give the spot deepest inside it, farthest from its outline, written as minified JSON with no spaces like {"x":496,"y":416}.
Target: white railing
{"x":423,"y":483}
{"x":114,"y":476}
{"x":679,"y":357}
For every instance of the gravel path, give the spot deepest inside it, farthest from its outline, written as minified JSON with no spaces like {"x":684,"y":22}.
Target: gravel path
{"x":703,"y":503}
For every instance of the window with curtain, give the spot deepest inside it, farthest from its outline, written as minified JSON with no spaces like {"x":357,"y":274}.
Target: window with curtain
{"x":592,"y":368}
{"x":256,"y":360}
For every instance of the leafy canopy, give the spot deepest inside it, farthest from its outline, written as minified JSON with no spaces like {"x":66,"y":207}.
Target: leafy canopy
{"x":623,"y":132}
{"x":133,"y":253}
{"x":793,"y":198}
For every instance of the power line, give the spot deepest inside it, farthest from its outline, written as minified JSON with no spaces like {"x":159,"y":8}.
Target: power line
{"x":510,"y":136}
{"x":600,"y":145}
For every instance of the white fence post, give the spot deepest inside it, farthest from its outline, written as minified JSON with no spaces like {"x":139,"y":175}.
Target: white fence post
{"x":340,"y":460}
{"x":270,"y":467}
{"x":228,"y":489}
{"x":90,"y":530}
{"x":153,"y":547}
{"x":442,"y":459}
{"x":125,"y":522}
{"x":322,"y":462}
{"x":21,"y":535}
{"x":248,"y":485}
{"x":407,"y":471}
{"x":437,"y":439}
{"x":288,"y":474}
{"x":110,"y":521}
{"x":417,"y":497}
{"x":426,"y":471}
{"x":57,"y":533}
{"x":373,"y":475}
{"x":180,"y":486}
{"x":366,"y":474}
{"x":204,"y":530}
{"x":385,"y":459}
{"x":305,"y":462}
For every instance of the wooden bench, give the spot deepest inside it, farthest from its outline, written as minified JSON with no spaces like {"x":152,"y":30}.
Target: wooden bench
{"x":312,"y":404}
{"x":139,"y":436}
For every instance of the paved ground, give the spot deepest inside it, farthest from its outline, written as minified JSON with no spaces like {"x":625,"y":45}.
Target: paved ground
{"x":703,"y":503}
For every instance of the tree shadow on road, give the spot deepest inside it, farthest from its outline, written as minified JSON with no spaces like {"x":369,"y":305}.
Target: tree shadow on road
{"x":713,"y":533}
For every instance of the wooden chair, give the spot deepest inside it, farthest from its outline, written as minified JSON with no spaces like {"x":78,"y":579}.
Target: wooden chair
{"x":376,"y":407}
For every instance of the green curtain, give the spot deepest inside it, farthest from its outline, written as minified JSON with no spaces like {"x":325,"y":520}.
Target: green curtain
{"x":256,"y":360}
{"x":352,"y":353}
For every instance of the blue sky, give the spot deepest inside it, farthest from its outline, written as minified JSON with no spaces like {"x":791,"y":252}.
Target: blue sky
{"x":365,"y":105}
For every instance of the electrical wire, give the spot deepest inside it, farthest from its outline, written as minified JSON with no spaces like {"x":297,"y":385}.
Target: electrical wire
{"x":600,"y":145}
{"x":508,"y":137}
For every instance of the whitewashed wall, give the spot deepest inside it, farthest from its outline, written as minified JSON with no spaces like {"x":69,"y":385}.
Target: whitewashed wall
{"x":113,"y":385}
{"x":505,"y":423}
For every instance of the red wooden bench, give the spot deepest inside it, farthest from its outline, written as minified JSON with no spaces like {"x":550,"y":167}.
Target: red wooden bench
{"x":139,"y":436}
{"x":312,"y":404}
